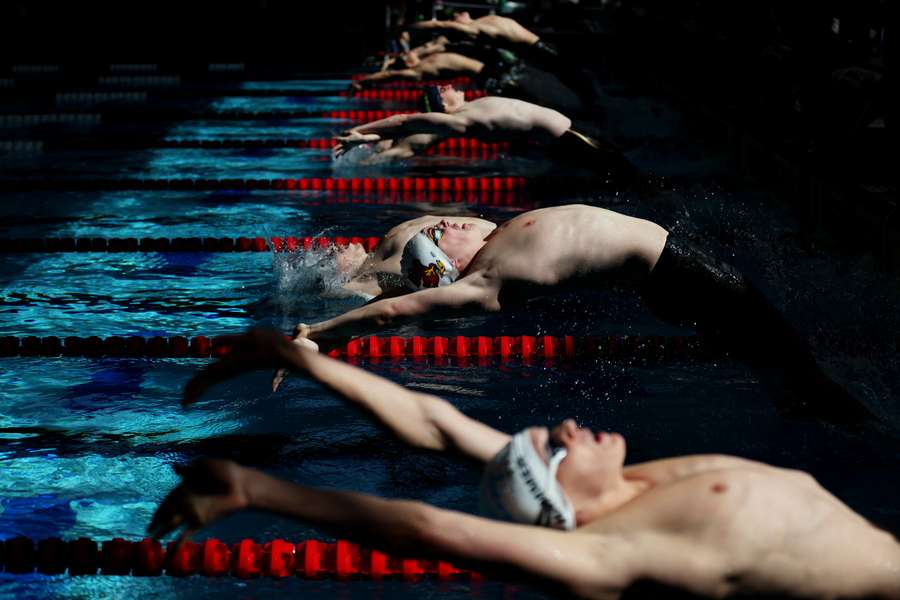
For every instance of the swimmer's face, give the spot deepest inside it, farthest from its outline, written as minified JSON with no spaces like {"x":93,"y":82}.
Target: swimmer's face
{"x":462,"y":17}
{"x":451,"y":97}
{"x":457,"y":240}
{"x":348,"y":259}
{"x":593,"y":462}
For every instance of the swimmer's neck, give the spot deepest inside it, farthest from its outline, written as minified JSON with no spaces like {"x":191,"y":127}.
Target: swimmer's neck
{"x":463,"y":265}
{"x":589,"y":510}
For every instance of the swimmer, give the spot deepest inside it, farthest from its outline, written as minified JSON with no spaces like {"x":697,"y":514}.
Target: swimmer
{"x":435,"y":65}
{"x":378,"y":273}
{"x":559,"y":505}
{"x":494,"y":30}
{"x":444,"y":112}
{"x":455,"y":272}
{"x":438,"y":44}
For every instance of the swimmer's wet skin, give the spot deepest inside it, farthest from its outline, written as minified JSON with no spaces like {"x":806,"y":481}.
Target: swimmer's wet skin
{"x":545,"y":250}
{"x":380,"y":272}
{"x":713,"y":525}
{"x":490,"y":118}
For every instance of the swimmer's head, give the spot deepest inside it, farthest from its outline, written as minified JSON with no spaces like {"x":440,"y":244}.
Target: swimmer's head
{"x":425,"y":265}
{"x":430,"y":100}
{"x":462,"y":16}
{"x":585,"y":466}
{"x":519,"y":484}
{"x":441,"y":98}
{"x":458,"y":242}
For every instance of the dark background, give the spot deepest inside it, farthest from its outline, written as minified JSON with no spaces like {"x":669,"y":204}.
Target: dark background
{"x":315,"y":35}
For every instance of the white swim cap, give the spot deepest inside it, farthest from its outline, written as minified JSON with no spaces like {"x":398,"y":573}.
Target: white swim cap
{"x":424,"y":265}
{"x":519,"y":486}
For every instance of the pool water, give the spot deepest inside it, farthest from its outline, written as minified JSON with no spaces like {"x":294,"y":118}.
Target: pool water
{"x":86,"y":444}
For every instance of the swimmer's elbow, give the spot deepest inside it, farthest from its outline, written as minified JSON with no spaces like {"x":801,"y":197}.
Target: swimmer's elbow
{"x":385,"y":315}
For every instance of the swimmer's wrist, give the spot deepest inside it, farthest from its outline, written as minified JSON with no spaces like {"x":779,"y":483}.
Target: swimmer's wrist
{"x":249,"y":483}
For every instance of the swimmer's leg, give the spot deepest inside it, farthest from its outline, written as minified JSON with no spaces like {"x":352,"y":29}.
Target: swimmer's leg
{"x":689,"y":287}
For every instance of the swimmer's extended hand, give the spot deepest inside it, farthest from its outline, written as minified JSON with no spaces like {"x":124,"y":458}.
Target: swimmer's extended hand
{"x":209,"y":490}
{"x":352,"y":138}
{"x":256,"y":349}
{"x":301,"y":338}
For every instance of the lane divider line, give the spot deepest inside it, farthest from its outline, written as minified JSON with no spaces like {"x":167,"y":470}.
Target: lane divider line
{"x":356,"y":184}
{"x":458,"y":348}
{"x":246,"y":559}
{"x":454,"y":146}
{"x":192,"y":244}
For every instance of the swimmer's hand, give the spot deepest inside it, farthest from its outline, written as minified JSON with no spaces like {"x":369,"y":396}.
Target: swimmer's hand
{"x":254,"y":350}
{"x":357,"y":86}
{"x":352,"y":138}
{"x":301,"y":333}
{"x":209,"y":490}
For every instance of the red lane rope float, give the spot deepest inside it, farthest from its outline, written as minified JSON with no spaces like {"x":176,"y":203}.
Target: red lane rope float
{"x":213,"y":558}
{"x":379,"y":185}
{"x":401,"y":95}
{"x":458,"y":348}
{"x":192,"y":244}
{"x":451,"y":147}
{"x":456,"y":82}
{"x":363,"y":116}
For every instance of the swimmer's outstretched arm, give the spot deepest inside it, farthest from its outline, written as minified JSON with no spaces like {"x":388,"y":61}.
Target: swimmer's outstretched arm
{"x":466,"y":296}
{"x":400,"y":126}
{"x":584,"y":564}
{"x":391,"y":75}
{"x":421,"y":420}
{"x":409,"y":124}
{"x":402,"y":148}
{"x":466,"y":29}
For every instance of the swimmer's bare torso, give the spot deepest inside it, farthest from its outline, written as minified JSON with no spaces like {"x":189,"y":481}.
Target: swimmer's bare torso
{"x":564,"y":245}
{"x":721,"y":526}
{"x":493,"y":117}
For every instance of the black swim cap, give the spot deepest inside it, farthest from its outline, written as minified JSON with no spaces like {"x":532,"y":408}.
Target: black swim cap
{"x":430,"y":100}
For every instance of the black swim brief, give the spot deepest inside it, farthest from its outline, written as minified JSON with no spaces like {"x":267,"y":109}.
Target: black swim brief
{"x":579,"y":149}
{"x":692,"y":288}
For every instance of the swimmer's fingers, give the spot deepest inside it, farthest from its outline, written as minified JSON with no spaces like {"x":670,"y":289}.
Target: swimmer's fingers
{"x":301,"y":331}
{"x":277,"y":377}
{"x":169,"y":516}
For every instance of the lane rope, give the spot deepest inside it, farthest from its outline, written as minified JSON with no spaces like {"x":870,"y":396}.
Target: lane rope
{"x":119,"y":114}
{"x":459,"y":185}
{"x":464,"y":147}
{"x":457,"y":348}
{"x":246,"y":559}
{"x":191,"y":244}
{"x":456,"y":82}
